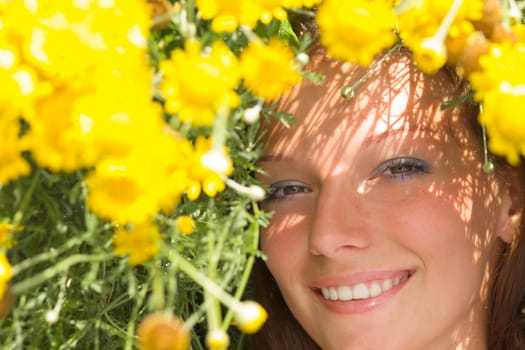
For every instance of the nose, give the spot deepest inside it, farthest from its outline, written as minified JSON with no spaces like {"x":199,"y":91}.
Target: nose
{"x":340,"y":221}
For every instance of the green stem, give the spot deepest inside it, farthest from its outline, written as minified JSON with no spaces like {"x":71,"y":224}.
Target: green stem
{"x":447,"y":22}
{"x":213,"y":309}
{"x":33,"y":281}
{"x":220,"y":127}
{"x":206,"y":283}
{"x":133,"y":317}
{"x":248,"y":267}
{"x":19,"y":215}
{"x":46,"y":256}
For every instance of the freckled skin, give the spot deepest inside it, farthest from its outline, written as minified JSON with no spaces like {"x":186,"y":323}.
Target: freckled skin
{"x":343,"y":207}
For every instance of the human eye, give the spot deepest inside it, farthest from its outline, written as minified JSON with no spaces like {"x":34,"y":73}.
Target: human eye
{"x":285,"y":189}
{"x":401,"y":168}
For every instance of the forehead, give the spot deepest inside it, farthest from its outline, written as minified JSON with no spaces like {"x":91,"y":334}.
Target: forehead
{"x":394,"y":98}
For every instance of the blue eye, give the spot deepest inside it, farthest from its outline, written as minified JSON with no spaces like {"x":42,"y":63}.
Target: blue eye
{"x":401,"y":168}
{"x":285,"y":189}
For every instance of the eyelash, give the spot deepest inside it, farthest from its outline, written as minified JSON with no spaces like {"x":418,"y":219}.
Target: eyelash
{"x":296,"y":188}
{"x":407,"y":167}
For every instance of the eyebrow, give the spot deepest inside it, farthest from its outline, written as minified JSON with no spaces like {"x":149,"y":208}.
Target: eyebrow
{"x":373,"y":139}
{"x":369,"y":140}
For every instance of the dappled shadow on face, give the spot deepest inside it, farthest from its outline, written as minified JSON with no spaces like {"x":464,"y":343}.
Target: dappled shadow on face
{"x":395,"y":111}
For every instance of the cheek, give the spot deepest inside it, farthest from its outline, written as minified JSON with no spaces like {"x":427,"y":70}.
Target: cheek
{"x":448,"y":226}
{"x":285,"y":241}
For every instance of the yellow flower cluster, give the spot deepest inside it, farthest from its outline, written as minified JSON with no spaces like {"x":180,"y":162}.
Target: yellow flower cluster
{"x":199,"y":83}
{"x":437,"y":31}
{"x":227,"y":15}
{"x":196,"y":85}
{"x":454,"y":32}
{"x":500,"y":86}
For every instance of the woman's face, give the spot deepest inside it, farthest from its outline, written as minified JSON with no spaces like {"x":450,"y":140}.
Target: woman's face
{"x":384,"y":224}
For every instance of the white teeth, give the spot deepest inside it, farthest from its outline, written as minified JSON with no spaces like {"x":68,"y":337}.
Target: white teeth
{"x":375,"y":289}
{"x":386,"y":285}
{"x":361,"y":290}
{"x":345,"y":293}
{"x":333,"y":293}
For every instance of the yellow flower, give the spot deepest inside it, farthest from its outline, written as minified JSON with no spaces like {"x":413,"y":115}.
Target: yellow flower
{"x":300,"y":3}
{"x":159,"y":331}
{"x":185,"y":224}
{"x":151,"y":178}
{"x":12,"y":164}
{"x":197,"y":84}
{"x":503,"y":63}
{"x":217,"y":340}
{"x":500,"y":87}
{"x":5,"y":231}
{"x":119,"y":190}
{"x":202,"y":176}
{"x":250,"y":317}
{"x":5,"y":274}
{"x":269,"y":70}
{"x":227,"y":15}
{"x":430,"y":55}
{"x":418,"y":24}
{"x":356,"y":30}
{"x":140,"y":243}
{"x":502,"y":115}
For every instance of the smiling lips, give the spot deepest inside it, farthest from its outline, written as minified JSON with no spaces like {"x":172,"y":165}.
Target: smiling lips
{"x":360,"y":291}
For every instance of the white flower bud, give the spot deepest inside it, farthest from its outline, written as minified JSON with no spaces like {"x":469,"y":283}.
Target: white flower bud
{"x":257,"y":192}
{"x":302,"y":58}
{"x":251,"y":115}
{"x":52,"y":316}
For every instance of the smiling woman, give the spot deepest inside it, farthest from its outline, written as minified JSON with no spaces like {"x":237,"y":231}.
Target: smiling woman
{"x":387,"y":233}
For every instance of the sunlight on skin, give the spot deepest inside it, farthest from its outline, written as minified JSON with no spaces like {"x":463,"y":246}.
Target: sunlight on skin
{"x":440,"y":223}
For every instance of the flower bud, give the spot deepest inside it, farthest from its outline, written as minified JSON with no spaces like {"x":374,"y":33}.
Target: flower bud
{"x":257,"y":192}
{"x":217,"y":340}
{"x":250,"y":317}
{"x":251,"y":115}
{"x":52,"y":316}
{"x":159,"y":331}
{"x":185,"y":224}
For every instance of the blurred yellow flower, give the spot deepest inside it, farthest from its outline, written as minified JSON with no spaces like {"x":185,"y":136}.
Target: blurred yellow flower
{"x":140,"y":243}
{"x":119,"y":190}
{"x":500,"y":87}
{"x":503,"y":63}
{"x":159,"y":331}
{"x":5,"y":231}
{"x":418,"y":25}
{"x":196,"y":84}
{"x":269,"y":70}
{"x":203,"y":176}
{"x":5,"y":274}
{"x":502,"y":115}
{"x":356,"y":31}
{"x":227,"y":15}
{"x":185,"y":224}
{"x":12,"y":163}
